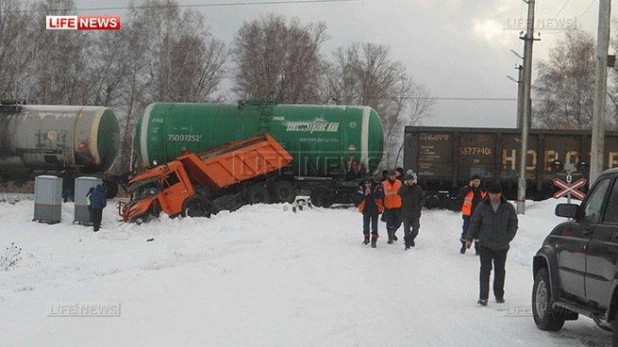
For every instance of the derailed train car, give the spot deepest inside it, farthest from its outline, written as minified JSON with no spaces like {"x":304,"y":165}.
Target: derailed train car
{"x":445,"y":159}
{"x":67,"y":141}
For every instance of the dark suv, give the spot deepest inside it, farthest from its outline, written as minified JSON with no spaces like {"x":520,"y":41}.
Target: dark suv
{"x":576,"y":270}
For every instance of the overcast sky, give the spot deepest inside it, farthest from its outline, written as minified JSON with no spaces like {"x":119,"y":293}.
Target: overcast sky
{"x":457,"y":48}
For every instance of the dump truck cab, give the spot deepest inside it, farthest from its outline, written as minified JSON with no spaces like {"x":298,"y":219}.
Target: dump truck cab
{"x":162,"y":188}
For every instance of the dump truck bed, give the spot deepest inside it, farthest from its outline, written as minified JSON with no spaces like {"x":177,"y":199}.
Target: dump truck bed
{"x":236,"y":162}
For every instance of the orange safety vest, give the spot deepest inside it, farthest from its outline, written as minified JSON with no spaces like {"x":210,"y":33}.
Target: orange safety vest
{"x":391,"y":198}
{"x":466,"y":208}
{"x":361,"y":206}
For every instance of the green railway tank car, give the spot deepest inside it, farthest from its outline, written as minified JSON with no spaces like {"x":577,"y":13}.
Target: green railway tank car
{"x":318,"y":137}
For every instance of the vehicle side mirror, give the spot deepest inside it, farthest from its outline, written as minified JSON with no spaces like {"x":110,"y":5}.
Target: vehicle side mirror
{"x":566,"y":210}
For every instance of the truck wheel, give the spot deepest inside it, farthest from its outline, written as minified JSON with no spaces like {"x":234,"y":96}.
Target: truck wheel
{"x":432,"y":201}
{"x":283,"y":191}
{"x":258,"y":195}
{"x":111,"y":189}
{"x":196,"y":208}
{"x":542,"y":311}
{"x":321,"y":197}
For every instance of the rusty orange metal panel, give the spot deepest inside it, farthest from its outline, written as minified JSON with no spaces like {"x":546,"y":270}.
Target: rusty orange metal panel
{"x":242,"y":160}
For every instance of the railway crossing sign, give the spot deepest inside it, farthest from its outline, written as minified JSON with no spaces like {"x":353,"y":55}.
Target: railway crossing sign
{"x":569,"y":188}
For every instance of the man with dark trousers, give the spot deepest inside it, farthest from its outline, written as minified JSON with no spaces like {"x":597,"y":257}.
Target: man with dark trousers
{"x":392,"y":204}
{"x":412,"y":198}
{"x":97,"y":204}
{"x":471,"y":195}
{"x":368,"y":199}
{"x":494,"y":224}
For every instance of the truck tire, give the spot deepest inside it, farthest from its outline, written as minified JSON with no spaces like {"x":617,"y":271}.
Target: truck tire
{"x":544,"y":315}
{"x":196,"y":208}
{"x":111,"y":189}
{"x":258,"y":194}
{"x":283,"y":191}
{"x":321,"y":197}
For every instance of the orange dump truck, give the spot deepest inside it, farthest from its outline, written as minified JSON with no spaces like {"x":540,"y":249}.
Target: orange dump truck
{"x":198,"y":185}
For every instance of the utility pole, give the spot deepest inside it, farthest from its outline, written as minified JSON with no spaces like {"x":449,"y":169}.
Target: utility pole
{"x":600,"y":90}
{"x":520,"y":89}
{"x":520,"y":96}
{"x":527,"y":81}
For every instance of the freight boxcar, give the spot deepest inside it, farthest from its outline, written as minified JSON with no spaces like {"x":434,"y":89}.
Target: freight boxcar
{"x":64,"y":140}
{"x":321,"y":139}
{"x":446,"y":158}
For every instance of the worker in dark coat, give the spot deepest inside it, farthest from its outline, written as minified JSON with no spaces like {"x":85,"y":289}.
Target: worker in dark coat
{"x":368,"y":199}
{"x":97,"y":204}
{"x":413,"y":199}
{"x":494,"y":223}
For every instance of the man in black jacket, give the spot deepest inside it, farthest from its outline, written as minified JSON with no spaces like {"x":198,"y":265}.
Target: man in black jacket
{"x":412,"y":198}
{"x":494,"y":224}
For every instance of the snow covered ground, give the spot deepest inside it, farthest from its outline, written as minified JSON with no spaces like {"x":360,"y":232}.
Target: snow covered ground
{"x":264,"y":276}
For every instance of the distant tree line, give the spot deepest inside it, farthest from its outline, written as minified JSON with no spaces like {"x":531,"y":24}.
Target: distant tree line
{"x":165,"y":53}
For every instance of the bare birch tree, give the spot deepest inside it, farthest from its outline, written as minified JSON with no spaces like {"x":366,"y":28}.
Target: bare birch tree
{"x":16,"y":51}
{"x":364,"y":74}
{"x":564,"y":87}
{"x":278,"y":60}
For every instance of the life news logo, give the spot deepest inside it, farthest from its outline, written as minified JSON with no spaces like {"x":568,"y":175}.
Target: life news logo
{"x":84,"y":22}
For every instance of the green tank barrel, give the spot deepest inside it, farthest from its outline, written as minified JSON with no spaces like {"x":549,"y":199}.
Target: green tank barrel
{"x":319,"y":138}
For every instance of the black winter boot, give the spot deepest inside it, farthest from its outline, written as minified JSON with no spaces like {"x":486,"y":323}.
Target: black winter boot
{"x":374,"y":241}
{"x":366,"y":239}
{"x":390,"y":237}
{"x":463,"y":248}
{"x":395,"y":237}
{"x":476,"y":248}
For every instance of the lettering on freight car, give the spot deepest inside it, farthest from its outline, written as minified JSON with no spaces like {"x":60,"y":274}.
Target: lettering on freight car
{"x":432,"y":137}
{"x":317,"y":125}
{"x":475,"y":151}
{"x":318,"y":140}
{"x":183,"y":138}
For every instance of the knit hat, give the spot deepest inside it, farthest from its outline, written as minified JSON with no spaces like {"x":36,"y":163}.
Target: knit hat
{"x":495,"y":188}
{"x":391,"y":172}
{"x":475,"y":177}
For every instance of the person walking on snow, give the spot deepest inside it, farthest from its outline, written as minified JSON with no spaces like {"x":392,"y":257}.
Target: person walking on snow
{"x":494,"y":224}
{"x":368,"y":199}
{"x":392,"y":205}
{"x":471,"y":195}
{"x":413,"y":199}
{"x":97,"y":203}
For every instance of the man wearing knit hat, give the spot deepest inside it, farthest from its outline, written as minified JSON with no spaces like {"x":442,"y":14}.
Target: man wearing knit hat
{"x":494,"y":224}
{"x":413,"y":199}
{"x":471,"y":195}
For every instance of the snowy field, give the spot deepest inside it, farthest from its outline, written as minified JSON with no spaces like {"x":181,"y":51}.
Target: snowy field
{"x":264,"y":276}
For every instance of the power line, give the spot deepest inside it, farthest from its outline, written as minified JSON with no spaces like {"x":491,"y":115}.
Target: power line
{"x":231,"y":4}
{"x":578,"y":18}
{"x":562,"y":8}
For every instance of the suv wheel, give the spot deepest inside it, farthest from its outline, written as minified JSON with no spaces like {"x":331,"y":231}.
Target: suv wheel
{"x":542,"y":311}
{"x":614,"y":325}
